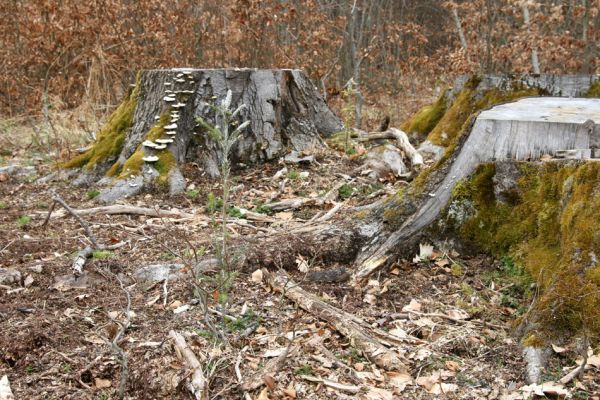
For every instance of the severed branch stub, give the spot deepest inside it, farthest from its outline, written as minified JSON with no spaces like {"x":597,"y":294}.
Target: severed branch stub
{"x":371,"y":347}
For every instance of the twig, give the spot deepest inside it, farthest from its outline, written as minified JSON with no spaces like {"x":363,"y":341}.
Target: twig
{"x":117,"y":338}
{"x":84,"y":224}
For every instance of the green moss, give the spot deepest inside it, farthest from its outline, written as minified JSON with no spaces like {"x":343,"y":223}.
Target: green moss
{"x":111,"y":137}
{"x":594,"y":90}
{"x":338,"y":140}
{"x":135,"y":163}
{"x":427,"y":118}
{"x":553,"y":229}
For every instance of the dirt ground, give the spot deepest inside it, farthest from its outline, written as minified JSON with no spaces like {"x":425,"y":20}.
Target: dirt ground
{"x":453,"y":315}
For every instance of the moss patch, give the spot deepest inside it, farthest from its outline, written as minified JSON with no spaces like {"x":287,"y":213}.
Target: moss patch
{"x":111,"y":137}
{"x":427,"y":118}
{"x":594,"y":90}
{"x":553,"y":230}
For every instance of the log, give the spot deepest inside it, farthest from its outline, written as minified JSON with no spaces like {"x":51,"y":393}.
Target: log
{"x":371,"y":347}
{"x":283,"y":107}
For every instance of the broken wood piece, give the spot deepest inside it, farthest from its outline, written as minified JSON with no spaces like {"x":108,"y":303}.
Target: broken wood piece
{"x":270,"y":369}
{"x":198,"y":384}
{"x":402,"y":142}
{"x":369,"y":346}
{"x":332,"y":384}
{"x":131,"y":210}
{"x":5,"y":391}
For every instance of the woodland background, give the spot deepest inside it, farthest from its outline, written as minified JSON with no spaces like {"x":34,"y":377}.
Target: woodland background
{"x":60,"y":54}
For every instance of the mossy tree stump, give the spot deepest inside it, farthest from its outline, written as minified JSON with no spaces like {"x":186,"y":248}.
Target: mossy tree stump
{"x":155,"y":128}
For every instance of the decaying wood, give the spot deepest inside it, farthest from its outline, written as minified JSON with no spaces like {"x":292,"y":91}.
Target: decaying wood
{"x":154,"y":212}
{"x":5,"y":391}
{"x":270,"y":369}
{"x":402,"y":142}
{"x":353,"y":389}
{"x":198,"y":384}
{"x":370,"y":347}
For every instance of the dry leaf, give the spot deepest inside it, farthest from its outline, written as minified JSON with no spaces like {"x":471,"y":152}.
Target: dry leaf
{"x":442,"y":263}
{"x":412,"y":306}
{"x":379,"y":394}
{"x":102,"y":383}
{"x":457,"y":314}
{"x":28,"y":281}
{"x":257,"y":276}
{"x":452,"y":365}
{"x":369,"y":298}
{"x":264,"y":394}
{"x":399,"y":380}
{"x":428,"y":381}
{"x":441,"y":388}
{"x":285,"y":215}
{"x":269,"y":381}
{"x":359,"y":366}
{"x":558,"y":349}
{"x":290,"y":392}
{"x":302,"y":264}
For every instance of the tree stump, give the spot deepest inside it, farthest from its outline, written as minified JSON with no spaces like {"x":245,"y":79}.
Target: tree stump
{"x":155,"y":129}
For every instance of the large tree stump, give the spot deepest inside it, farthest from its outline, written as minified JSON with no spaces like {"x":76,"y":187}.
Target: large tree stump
{"x":284,"y":109}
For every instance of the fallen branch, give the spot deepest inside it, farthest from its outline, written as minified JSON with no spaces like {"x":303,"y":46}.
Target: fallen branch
{"x":370,"y":347}
{"x":87,"y":252}
{"x":402,"y":142}
{"x":271,"y":368}
{"x":198,"y":384}
{"x":332,"y":384}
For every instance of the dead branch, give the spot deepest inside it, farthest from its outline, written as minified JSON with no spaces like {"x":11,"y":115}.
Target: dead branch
{"x":271,"y":368}
{"x":332,"y":384}
{"x":198,"y":384}
{"x":402,"y":142}
{"x":370,"y":347}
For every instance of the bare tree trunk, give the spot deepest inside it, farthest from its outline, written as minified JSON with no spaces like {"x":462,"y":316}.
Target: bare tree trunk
{"x":459,"y":29}
{"x":535,"y":63}
{"x":586,"y":66}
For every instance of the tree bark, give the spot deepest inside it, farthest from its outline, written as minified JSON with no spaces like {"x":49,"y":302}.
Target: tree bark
{"x":285,"y":111}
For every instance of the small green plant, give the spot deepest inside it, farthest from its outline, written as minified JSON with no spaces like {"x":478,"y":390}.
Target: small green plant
{"x":224,"y":133}
{"x":3,"y":205}
{"x":345,"y":191}
{"x":23,"y":220}
{"x":306,"y":369}
{"x":244,"y":322}
{"x":104,"y":395}
{"x":293,"y":174}
{"x":350,"y":151}
{"x":29,"y":369}
{"x":102,"y":254}
{"x":192,"y":194}
{"x":213,"y":203}
{"x":92,"y":194}
{"x":235,"y":212}
{"x":353,"y":355}
{"x":262,"y":208}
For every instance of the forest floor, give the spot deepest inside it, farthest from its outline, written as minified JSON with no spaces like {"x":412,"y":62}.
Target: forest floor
{"x":453,"y":315}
